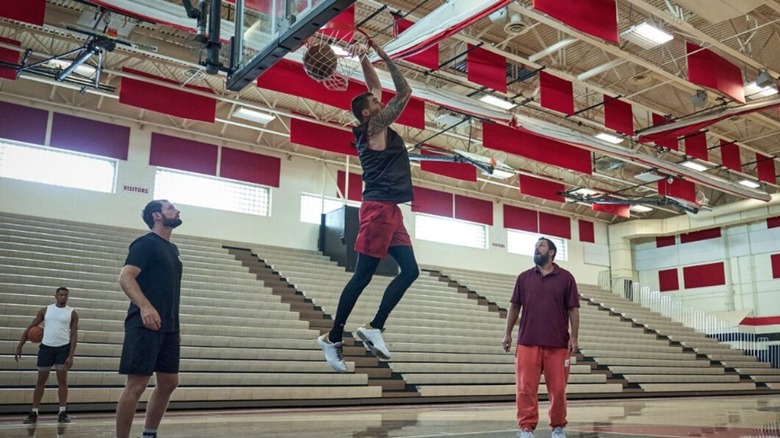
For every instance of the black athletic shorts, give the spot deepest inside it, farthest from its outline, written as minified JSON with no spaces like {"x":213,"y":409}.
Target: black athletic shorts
{"x":145,"y":352}
{"x":51,"y":356}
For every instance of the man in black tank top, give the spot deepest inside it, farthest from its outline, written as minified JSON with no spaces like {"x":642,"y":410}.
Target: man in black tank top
{"x":388,"y":182}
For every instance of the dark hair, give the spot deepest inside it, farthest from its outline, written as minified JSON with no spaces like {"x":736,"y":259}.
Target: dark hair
{"x":359,"y":103}
{"x":152,"y":207}
{"x":550,"y":245}
{"x":61,"y":288}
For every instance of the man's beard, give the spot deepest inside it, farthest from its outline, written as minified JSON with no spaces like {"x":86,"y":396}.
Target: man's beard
{"x":541,"y":260}
{"x":171,"y":223}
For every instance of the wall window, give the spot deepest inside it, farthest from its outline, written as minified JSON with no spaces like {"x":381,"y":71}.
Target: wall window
{"x":312,"y":206}
{"x":211,"y":192}
{"x":524,"y":243}
{"x":451,"y":231}
{"x":57,"y":167}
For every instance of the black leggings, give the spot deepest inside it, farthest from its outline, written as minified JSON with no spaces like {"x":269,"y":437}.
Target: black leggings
{"x":364,"y":271}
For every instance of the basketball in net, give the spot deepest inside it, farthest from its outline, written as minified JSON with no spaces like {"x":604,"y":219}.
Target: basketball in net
{"x":333,"y":54}
{"x":320,"y":62}
{"x":35,"y":334}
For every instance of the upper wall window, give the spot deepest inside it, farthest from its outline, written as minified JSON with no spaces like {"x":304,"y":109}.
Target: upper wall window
{"x":57,"y":167}
{"x":451,"y":231}
{"x":212,"y":192}
{"x":524,"y":243}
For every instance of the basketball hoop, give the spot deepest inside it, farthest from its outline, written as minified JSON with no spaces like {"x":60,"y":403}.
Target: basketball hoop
{"x":333,"y":54}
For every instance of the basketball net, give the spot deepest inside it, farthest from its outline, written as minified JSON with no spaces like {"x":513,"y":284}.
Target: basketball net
{"x":349,"y":45}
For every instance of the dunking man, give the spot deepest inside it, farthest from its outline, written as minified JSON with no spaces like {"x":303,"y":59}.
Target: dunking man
{"x":388,"y":182}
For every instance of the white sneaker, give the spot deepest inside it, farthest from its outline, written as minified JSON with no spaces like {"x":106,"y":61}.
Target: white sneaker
{"x":334,"y":353}
{"x":558,"y":433}
{"x":374,"y":341}
{"x":525,"y":433}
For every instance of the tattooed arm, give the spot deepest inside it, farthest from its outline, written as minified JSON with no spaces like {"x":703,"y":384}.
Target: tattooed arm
{"x":378,"y":124}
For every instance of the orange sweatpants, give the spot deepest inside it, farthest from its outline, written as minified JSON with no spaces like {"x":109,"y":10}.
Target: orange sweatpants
{"x":530,"y":363}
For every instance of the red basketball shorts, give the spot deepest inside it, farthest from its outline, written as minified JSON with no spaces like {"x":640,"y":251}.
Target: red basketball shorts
{"x":381,"y":226}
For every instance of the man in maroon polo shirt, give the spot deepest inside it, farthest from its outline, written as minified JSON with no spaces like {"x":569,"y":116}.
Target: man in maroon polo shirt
{"x":548,"y":298}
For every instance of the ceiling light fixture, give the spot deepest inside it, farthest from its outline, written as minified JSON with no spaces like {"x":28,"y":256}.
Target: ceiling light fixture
{"x":500,"y":174}
{"x":699,"y":99}
{"x":609,"y":138}
{"x":84,"y":70}
{"x":763,"y":86}
{"x":501,"y":103}
{"x":690,"y":164}
{"x":640,"y":209}
{"x":750,"y":183}
{"x":252,"y":115}
{"x":647,"y":36}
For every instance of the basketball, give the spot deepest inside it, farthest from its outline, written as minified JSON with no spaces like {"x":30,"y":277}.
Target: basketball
{"x":35,"y":335}
{"x":320,"y":61}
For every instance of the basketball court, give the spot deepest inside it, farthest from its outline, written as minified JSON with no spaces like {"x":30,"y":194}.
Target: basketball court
{"x":725,"y":417}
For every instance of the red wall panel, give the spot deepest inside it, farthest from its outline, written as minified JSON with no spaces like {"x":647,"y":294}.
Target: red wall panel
{"x":540,"y":188}
{"x":486,"y":68}
{"x":618,"y":115}
{"x":517,"y":218}
{"x":556,"y":94}
{"x":707,"y":68}
{"x":712,"y":233}
{"x":318,"y":136}
{"x":182,"y":154}
{"x":355,"y":192}
{"x":594,"y":17}
{"x":730,"y":157}
{"x":33,"y":11}
{"x":9,"y":56}
{"x":90,"y":136}
{"x":473,"y":210}
{"x":554,"y":225}
{"x":22,"y":123}
{"x":773,"y":222}
{"x":667,"y":280}
{"x":712,"y":274}
{"x":587,"y":233}
{"x":166,"y":100}
{"x":696,"y":146}
{"x":432,"y":202}
{"x":250,"y":167}
{"x":662,"y":241}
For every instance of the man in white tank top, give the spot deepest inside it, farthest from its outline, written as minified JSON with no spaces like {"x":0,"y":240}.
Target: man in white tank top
{"x":61,"y":325}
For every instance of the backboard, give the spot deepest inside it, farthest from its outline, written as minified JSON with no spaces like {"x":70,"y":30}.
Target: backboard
{"x":266,"y":30}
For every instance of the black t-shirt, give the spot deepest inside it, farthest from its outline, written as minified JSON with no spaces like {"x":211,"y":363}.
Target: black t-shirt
{"x":386,"y":173}
{"x":160,"y":280}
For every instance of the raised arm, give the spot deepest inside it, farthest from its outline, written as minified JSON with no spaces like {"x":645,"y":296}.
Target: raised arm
{"x":379,"y":123}
{"x":127,"y":279}
{"x":36,"y":321}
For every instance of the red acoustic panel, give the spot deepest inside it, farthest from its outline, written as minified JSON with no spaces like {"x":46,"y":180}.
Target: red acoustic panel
{"x":535,"y":147}
{"x":432,"y":202}
{"x":729,"y":155}
{"x":428,"y":58}
{"x":668,"y":142}
{"x":615,"y":209}
{"x":27,"y":125}
{"x":696,"y":146}
{"x":775,"y":265}
{"x":667,"y":280}
{"x":462,"y":171}
{"x":773,"y":222}
{"x":355,"y":192}
{"x":32,"y":11}
{"x":540,"y":188}
{"x":182,"y":154}
{"x":250,"y":167}
{"x":587,"y":233}
{"x":712,"y":233}
{"x":9,"y":56}
{"x":166,"y":100}
{"x":618,"y":115}
{"x":517,"y":218}
{"x":662,"y":241}
{"x":486,"y":68}
{"x":554,"y":225}
{"x":707,"y":68}
{"x":473,"y":210}
{"x":679,"y":188}
{"x":712,"y":274}
{"x":593,"y":17}
{"x":556,"y":94}
{"x":104,"y":139}
{"x":765,"y":169}
{"x":323,"y":137}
